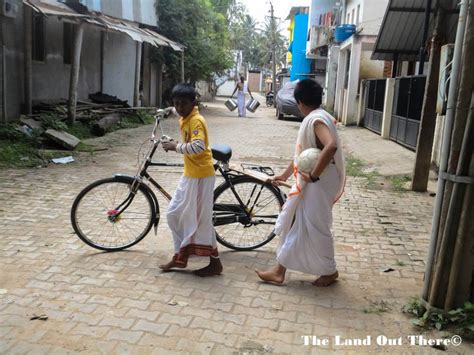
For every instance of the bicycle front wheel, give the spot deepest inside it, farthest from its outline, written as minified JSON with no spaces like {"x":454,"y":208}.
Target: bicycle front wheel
{"x":251,"y":226}
{"x":99,"y":219}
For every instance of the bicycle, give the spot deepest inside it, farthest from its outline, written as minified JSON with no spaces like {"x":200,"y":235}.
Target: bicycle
{"x":116,"y":213}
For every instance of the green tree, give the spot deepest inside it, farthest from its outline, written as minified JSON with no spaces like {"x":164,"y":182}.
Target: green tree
{"x":201,"y":26}
{"x":255,"y":43}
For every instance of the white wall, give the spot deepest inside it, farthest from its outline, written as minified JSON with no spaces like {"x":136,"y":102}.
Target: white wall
{"x":331,"y":78}
{"x":119,"y":66}
{"x":51,"y":77}
{"x":371,"y":14}
{"x":227,"y":88}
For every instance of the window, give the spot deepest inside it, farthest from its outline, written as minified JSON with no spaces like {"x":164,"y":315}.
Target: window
{"x":38,"y":50}
{"x":348,"y":18}
{"x":353,"y":17}
{"x":68,"y":40}
{"x":358,"y":15}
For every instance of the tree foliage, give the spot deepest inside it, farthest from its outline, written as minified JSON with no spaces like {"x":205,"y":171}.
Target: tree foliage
{"x":201,"y":26}
{"x":255,"y":44}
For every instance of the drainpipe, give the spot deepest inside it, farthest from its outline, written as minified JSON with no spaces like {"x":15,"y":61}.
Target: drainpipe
{"x":446,"y":142}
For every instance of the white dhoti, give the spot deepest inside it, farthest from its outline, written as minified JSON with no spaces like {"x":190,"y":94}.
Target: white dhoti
{"x":308,"y":246}
{"x":190,"y":218}
{"x":304,"y":224}
{"x":241,"y":103}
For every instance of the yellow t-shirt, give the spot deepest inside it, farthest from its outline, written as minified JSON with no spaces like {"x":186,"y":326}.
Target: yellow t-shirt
{"x":194,"y":127}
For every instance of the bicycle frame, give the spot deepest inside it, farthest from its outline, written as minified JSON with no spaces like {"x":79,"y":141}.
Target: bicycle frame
{"x":238,"y":213}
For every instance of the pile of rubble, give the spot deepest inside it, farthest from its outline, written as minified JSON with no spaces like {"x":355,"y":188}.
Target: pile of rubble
{"x":101,"y":113}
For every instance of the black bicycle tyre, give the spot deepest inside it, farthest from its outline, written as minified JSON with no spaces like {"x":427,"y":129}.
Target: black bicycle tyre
{"x":90,"y":242}
{"x":240,"y":180}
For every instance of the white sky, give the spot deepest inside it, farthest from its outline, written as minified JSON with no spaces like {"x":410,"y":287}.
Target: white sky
{"x":258,"y":9}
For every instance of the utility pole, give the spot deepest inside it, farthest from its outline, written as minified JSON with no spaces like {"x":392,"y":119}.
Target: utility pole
{"x":273,"y":30}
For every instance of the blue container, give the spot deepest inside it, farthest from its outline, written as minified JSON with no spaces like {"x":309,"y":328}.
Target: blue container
{"x":343,"y":32}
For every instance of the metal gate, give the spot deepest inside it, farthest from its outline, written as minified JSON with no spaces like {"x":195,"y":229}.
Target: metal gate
{"x":374,"y":104}
{"x":407,"y":105}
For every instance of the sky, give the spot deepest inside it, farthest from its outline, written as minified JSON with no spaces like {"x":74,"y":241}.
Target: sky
{"x":258,"y":9}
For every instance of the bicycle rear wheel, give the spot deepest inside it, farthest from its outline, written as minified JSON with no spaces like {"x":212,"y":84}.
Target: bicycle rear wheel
{"x":250,"y":227}
{"x":98,"y":222}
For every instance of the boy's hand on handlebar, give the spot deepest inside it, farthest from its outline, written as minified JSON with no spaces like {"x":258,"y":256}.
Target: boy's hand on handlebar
{"x":277,"y":180}
{"x":171,"y":145}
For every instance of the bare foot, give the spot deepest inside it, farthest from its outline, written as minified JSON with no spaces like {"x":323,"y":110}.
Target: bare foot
{"x":326,"y":280}
{"x":272,"y":276}
{"x":213,"y":269}
{"x":171,"y":265}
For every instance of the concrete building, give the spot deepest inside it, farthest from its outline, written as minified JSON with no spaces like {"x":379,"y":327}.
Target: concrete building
{"x":117,"y":36}
{"x":300,"y":65}
{"x":323,"y":16}
{"x":354,"y":63}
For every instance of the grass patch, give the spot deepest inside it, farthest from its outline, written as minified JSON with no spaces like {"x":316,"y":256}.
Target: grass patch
{"x":357,"y":168}
{"x":399,"y":182}
{"x":22,"y":155}
{"x":80,"y":130}
{"x":21,"y":150}
{"x":400,"y":263}
{"x":377,"y":307}
{"x":134,"y":121}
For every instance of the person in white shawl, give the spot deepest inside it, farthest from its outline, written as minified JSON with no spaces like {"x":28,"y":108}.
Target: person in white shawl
{"x":304,"y":224}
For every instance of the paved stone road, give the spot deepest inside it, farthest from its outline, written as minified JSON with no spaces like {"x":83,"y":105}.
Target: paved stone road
{"x":120,"y":303}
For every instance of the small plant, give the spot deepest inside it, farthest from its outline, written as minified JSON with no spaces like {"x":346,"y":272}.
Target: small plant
{"x":400,"y":263}
{"x":51,"y":121}
{"x":460,"y":320}
{"x":377,"y":307}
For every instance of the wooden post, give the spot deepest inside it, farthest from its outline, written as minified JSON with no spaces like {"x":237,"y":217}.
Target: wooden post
{"x":146,"y":68}
{"x":75,"y":68}
{"x":159,"y":82}
{"x":28,"y":58}
{"x":138,"y":63}
{"x":4,"y":84}
{"x":102,"y":59}
{"x":182,"y":66}
{"x":428,"y":114}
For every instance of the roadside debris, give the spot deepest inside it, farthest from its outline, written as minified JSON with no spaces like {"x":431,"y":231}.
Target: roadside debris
{"x":42,"y":317}
{"x":64,"y":139}
{"x":63,"y":160}
{"x":177,"y":303}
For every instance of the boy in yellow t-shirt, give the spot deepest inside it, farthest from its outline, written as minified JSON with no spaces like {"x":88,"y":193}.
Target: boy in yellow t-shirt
{"x":190,"y":211}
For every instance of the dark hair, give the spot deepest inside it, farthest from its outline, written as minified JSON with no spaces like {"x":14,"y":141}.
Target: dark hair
{"x":309,"y":92}
{"x":185,"y":91}
{"x":242,"y":79}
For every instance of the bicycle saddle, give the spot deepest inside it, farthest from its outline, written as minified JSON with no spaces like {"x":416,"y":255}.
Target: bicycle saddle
{"x":221,"y":152}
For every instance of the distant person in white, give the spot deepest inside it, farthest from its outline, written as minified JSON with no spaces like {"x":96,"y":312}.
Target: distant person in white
{"x":242,"y":88}
{"x":305,"y":221}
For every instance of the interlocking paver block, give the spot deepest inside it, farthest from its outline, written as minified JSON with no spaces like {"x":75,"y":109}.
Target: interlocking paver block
{"x":120,"y":302}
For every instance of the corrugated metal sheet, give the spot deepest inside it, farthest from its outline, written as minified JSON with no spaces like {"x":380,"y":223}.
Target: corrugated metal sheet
{"x":54,"y":8}
{"x":402,"y":28}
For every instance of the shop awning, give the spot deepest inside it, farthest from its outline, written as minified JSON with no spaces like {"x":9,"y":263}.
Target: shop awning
{"x":401,"y":31}
{"x":54,"y":8}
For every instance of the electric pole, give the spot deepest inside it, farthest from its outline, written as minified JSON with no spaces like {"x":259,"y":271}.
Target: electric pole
{"x":273,"y":33}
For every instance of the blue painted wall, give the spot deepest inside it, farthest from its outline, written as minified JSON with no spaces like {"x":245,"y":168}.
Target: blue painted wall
{"x":300,"y":65}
